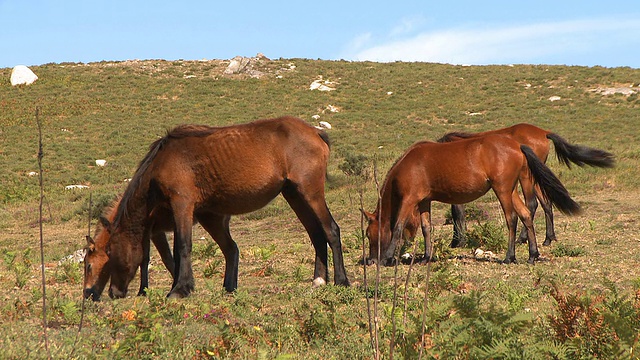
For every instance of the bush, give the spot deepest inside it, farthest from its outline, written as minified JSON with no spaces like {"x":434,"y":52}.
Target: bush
{"x":488,"y":236}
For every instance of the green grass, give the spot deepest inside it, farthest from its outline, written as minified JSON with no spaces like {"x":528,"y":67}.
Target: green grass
{"x":475,"y":309}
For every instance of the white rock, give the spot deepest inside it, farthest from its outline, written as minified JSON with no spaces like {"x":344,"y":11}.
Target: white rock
{"x":325,"y":124}
{"x":76,"y":257}
{"x":101,"y":162}
{"x":71,"y":187}
{"x":318,"y":282}
{"x":555,"y":98}
{"x":22,"y":75}
{"x":315,"y":117}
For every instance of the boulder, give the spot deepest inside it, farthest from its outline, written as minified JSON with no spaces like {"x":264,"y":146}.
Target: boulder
{"x":22,"y":75}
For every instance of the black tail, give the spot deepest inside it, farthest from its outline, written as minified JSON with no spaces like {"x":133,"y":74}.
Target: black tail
{"x":580,"y":155}
{"x":551,"y":187}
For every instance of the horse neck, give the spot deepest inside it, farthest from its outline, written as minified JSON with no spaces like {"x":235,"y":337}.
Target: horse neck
{"x":383,"y":208}
{"x":132,"y":213}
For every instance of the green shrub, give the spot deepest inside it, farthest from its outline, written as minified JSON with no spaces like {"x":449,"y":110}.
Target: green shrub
{"x":487,"y":236}
{"x":562,"y":250}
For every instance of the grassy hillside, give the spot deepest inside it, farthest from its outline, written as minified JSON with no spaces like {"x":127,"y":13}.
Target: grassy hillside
{"x":114,"y":110}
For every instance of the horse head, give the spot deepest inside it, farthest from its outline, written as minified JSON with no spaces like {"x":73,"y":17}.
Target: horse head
{"x":378,"y":237}
{"x":382,"y":236}
{"x":110,"y":256}
{"x":96,"y":267}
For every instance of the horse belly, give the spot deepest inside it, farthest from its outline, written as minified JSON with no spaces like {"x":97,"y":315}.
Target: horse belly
{"x":462,"y":193}
{"x":239,"y":202}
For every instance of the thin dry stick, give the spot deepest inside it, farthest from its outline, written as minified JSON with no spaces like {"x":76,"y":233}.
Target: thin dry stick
{"x":377,"y":287}
{"x":406,"y":284}
{"x":424,"y":306}
{"x":364,"y":268}
{"x":44,"y":293}
{"x":83,"y":299}
{"x":394,"y":302}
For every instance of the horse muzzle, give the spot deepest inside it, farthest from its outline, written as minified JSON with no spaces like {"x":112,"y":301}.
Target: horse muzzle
{"x":383,"y":262}
{"x":91,"y":293}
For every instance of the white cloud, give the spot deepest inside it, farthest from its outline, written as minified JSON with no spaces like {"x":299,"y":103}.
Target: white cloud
{"x":530,"y":43}
{"x":407,"y":25}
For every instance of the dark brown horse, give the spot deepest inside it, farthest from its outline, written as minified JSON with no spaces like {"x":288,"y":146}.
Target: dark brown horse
{"x":456,"y":173}
{"x":208,"y":174}
{"x":97,"y":271}
{"x":538,"y":140}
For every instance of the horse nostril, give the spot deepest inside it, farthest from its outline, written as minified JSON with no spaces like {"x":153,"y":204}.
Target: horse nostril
{"x":90,"y":293}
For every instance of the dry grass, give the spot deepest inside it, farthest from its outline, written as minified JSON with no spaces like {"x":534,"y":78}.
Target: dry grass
{"x":114,"y":110}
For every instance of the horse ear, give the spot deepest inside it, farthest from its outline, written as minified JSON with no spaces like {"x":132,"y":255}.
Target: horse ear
{"x":91,"y":245}
{"x":370,"y":217}
{"x":105,"y":222}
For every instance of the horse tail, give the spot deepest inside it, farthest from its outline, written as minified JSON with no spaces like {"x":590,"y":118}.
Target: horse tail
{"x":551,"y":187}
{"x":453,"y":136}
{"x":325,"y":137}
{"x":580,"y":155}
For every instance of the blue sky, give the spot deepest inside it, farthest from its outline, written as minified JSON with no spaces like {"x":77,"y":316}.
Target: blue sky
{"x":589,"y":33}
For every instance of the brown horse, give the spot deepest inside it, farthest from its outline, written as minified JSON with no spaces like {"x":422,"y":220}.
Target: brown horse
{"x":538,"y":140}
{"x":96,"y":270}
{"x":459,"y":172}
{"x":207,"y":174}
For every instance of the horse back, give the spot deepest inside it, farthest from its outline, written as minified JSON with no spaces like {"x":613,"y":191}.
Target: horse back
{"x":459,"y":171}
{"x":527,"y":134}
{"x":240,"y":167}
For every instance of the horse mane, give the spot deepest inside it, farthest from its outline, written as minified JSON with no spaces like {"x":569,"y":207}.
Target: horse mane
{"x":179,"y":132}
{"x":456,"y":135}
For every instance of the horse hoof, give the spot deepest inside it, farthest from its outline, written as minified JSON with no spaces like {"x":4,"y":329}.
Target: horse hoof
{"x":547,"y":242}
{"x":179,"y":293}
{"x":510,"y":261}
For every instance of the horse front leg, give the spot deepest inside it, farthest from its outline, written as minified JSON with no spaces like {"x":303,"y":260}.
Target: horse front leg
{"x":144,"y":265}
{"x":425,"y":223}
{"x":183,"y":282}
{"x":161,"y":243}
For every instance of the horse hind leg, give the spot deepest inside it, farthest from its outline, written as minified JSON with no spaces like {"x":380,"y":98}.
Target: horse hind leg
{"x":530,"y":196}
{"x":550,"y":234}
{"x":506,"y":201}
{"x":527,"y":218}
{"x":218,"y":227}
{"x":312,"y":211}
{"x":459,"y":226}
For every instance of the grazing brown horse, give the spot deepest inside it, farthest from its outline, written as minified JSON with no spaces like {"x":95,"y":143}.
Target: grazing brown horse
{"x":208,"y":174}
{"x":459,"y":172}
{"x":538,"y":140}
{"x":97,"y":271}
